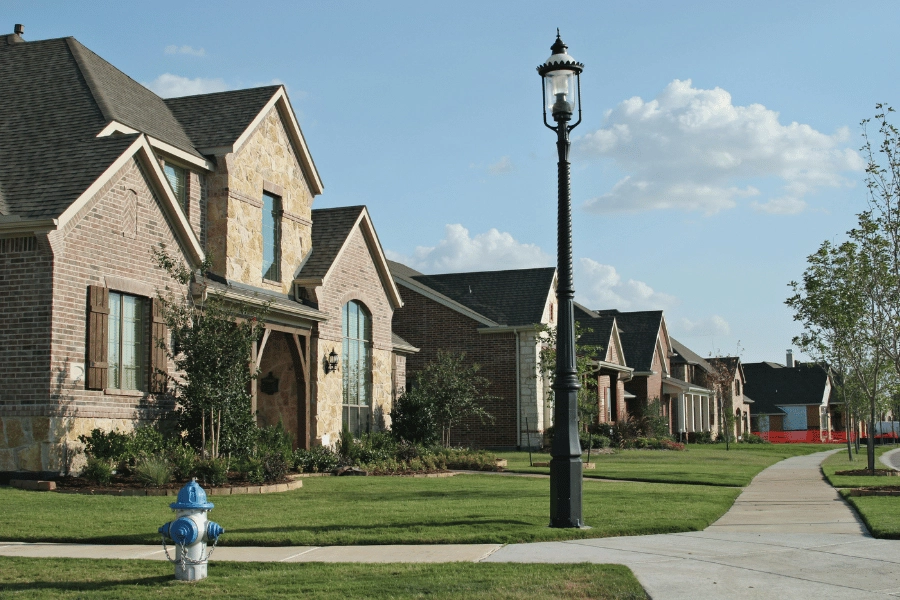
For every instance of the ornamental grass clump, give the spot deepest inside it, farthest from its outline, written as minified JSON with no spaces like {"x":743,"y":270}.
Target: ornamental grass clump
{"x":153,"y":471}
{"x":97,"y":470}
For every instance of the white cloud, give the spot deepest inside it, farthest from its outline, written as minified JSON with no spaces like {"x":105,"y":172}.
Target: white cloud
{"x":459,"y":252}
{"x":504,"y":165}
{"x":708,"y":326}
{"x":171,"y":86}
{"x":173,"y":49}
{"x":692,"y":149}
{"x":600,"y":286}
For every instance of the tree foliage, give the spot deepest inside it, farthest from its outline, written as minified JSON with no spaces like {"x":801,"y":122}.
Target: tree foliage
{"x":212,"y":341}
{"x":443,"y":396}
{"x":585,"y":357}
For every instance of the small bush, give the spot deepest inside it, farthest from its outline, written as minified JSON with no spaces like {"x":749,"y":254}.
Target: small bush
{"x":212,"y":471}
{"x":97,"y":470}
{"x":111,"y":447}
{"x":319,"y":459}
{"x":749,"y":438}
{"x":275,"y":467}
{"x":153,"y":471}
{"x":701,"y":437}
{"x":595,"y":440}
{"x":184,"y":461}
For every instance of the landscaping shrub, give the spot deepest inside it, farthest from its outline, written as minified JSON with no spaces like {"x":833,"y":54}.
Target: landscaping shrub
{"x":594,"y":440}
{"x":212,"y":471}
{"x":318,"y":459}
{"x":271,"y":457}
{"x":413,"y":420}
{"x":749,"y":438}
{"x":111,"y":447}
{"x":97,"y":470}
{"x":153,"y":471}
{"x":184,"y":460}
{"x":700,"y":437}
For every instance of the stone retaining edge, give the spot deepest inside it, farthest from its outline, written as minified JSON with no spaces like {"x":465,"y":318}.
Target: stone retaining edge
{"x":219,"y":491}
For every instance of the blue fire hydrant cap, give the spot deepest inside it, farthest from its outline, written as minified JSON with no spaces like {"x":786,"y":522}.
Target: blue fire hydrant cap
{"x":190,"y":497}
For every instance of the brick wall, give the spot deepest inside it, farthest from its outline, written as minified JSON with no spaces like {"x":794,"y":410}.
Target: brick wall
{"x":431,"y":326}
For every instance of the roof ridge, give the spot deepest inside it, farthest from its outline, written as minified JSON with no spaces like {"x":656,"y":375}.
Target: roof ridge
{"x":224,"y":92}
{"x":494,"y":271}
{"x":75,"y":49}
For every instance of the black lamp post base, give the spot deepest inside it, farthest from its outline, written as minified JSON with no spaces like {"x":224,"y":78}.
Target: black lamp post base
{"x":565,"y":492}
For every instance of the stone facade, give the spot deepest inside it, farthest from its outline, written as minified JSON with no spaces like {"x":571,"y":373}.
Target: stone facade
{"x":265,"y":162}
{"x":45,"y":407}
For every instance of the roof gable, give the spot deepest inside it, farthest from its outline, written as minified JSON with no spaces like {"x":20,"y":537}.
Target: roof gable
{"x":331,"y":231}
{"x":220,"y":123}
{"x":684,"y":355}
{"x":640,"y":332}
{"x":772,"y":386}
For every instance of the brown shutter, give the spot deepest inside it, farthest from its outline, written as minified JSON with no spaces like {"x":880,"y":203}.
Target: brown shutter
{"x":98,"y":337}
{"x":159,"y":361}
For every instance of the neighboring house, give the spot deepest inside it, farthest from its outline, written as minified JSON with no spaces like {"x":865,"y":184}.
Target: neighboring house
{"x":648,"y":349}
{"x":733,"y":398}
{"x":790,"y":398}
{"x":95,"y":172}
{"x":492,"y":317}
{"x":693,"y":404}
{"x":611,"y":369}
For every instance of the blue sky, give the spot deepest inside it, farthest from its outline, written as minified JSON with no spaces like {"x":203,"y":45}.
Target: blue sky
{"x":718,"y":147}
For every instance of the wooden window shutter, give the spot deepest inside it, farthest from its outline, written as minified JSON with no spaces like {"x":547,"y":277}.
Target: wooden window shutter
{"x":98,"y":337}
{"x":159,"y":361}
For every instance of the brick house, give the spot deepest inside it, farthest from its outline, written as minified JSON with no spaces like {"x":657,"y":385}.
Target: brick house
{"x":794,"y":397}
{"x":95,"y":172}
{"x":491,"y":316}
{"x":611,"y":369}
{"x":734,"y":397}
{"x":693,"y":404}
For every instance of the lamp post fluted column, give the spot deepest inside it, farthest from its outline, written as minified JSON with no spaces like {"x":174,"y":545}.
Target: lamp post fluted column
{"x":562,"y":91}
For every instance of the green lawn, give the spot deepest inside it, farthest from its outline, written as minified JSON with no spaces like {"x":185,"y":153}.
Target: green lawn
{"x":79,"y":578}
{"x":881,"y":514}
{"x":374,"y":510}
{"x":702,"y":464}
{"x":839,"y":462}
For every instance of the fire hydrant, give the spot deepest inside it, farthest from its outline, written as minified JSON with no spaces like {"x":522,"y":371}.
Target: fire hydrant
{"x":190,"y":532}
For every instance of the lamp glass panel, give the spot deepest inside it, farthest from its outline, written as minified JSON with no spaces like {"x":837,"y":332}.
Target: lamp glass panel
{"x":561,"y":85}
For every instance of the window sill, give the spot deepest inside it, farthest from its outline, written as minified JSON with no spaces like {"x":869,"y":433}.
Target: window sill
{"x":117,"y":392}
{"x":271,"y":281}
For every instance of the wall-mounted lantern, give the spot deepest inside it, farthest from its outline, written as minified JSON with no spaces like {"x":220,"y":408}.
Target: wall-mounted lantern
{"x":331,"y":363}
{"x":269,"y":384}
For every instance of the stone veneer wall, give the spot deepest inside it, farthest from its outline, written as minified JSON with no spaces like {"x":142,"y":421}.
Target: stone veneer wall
{"x":234,"y":226}
{"x":352,"y":277}
{"x":108,"y":243}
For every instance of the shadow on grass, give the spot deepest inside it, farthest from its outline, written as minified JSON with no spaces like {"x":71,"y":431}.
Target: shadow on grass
{"x":329,"y":528}
{"x":83,"y":586}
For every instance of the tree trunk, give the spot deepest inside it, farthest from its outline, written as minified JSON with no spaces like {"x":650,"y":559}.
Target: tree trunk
{"x":870,"y":439}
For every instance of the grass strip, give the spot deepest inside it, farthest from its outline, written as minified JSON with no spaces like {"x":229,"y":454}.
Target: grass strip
{"x":330,"y":511}
{"x":40,"y":579}
{"x":840,"y":462}
{"x":881,"y":514}
{"x":699,"y":464}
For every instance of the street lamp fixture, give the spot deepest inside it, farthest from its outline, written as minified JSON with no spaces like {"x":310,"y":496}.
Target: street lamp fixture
{"x":561,"y":81}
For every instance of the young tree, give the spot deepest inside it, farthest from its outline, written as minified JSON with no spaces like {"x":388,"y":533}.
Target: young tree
{"x":837,"y":303}
{"x":443,"y":395}
{"x":585,"y":355}
{"x":721,"y":382}
{"x":212,"y":341}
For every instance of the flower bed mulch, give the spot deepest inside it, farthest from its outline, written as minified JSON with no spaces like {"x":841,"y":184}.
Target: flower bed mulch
{"x":868,"y":473}
{"x":129,"y":486}
{"x":892,"y":490}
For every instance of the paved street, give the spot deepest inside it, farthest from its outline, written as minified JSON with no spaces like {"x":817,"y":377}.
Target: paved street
{"x":789,"y":535}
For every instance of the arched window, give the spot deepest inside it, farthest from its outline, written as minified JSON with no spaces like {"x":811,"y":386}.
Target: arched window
{"x":357,"y":367}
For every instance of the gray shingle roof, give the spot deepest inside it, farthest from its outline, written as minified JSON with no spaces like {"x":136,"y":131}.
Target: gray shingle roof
{"x":57,"y":96}
{"x":772,"y":386}
{"x":600,"y":326}
{"x":219,"y":119}
{"x":639,"y":331}
{"x":49,"y":119}
{"x":330,"y":229}
{"x":513,"y":297}
{"x":683,"y":355}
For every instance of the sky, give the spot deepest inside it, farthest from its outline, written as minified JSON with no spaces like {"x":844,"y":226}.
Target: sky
{"x":718,"y":147}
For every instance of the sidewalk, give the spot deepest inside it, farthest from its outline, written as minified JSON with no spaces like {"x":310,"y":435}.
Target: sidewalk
{"x":789,"y":535}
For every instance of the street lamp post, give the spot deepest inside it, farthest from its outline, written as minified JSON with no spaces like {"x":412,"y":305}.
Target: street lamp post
{"x":561,"y":81}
